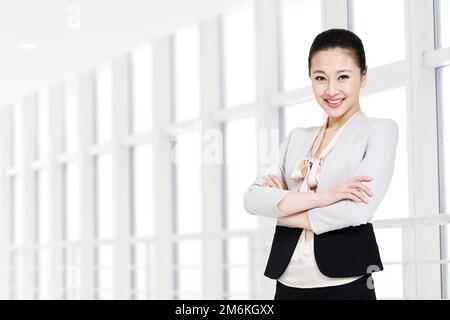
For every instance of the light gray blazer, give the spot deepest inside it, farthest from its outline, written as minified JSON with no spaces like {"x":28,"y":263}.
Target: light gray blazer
{"x":366,"y":147}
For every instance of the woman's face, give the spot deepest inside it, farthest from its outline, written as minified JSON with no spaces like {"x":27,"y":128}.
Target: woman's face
{"x":336,"y":81}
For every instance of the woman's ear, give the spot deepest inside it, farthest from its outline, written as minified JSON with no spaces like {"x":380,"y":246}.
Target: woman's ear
{"x":364,"y":79}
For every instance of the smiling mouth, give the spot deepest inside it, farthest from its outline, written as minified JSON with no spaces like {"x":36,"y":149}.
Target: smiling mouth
{"x":335,"y":102}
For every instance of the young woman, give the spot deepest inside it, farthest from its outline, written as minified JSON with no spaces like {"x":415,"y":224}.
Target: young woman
{"x":327,"y":183}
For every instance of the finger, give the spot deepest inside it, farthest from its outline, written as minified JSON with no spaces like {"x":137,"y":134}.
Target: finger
{"x":270,"y":183}
{"x":276,"y":181}
{"x":283,"y":184}
{"x":280,"y":181}
{"x":363,"y":187}
{"x":360,"y":195}
{"x":363,"y":178}
{"x":356,"y":193}
{"x":353,"y":197}
{"x":273,"y":181}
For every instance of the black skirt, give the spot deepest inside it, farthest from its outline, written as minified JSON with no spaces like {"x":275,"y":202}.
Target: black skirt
{"x":360,"y":289}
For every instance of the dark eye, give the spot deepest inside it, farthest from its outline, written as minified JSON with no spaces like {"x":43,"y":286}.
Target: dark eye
{"x":319,"y":78}
{"x":344,"y":76}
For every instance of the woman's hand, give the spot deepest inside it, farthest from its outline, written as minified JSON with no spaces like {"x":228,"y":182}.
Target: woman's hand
{"x":349,"y":190}
{"x":274,"y":182}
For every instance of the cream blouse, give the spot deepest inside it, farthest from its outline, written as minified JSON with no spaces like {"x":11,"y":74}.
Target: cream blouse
{"x":302,"y":270}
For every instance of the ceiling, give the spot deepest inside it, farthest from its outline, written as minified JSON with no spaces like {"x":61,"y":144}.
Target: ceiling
{"x":72,"y":36}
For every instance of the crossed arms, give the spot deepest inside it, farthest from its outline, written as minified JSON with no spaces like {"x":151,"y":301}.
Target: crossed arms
{"x":309,"y":210}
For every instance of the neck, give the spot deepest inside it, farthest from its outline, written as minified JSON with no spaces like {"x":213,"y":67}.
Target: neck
{"x":336,"y":123}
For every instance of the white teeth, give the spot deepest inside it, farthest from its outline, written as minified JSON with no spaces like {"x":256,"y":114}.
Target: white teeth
{"x":334,"y":101}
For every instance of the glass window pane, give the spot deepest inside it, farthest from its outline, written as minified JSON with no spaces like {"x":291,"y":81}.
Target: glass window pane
{"x":142,"y":88}
{"x":144,"y":275}
{"x":300,"y":22}
{"x":20,"y":276}
{"x":18,"y":134}
{"x":72,"y":182}
{"x":238,"y":282}
{"x":141,"y":288}
{"x":43,"y":134}
{"x":390,"y":244}
{"x":72,"y":277}
{"x":143,"y":190}
{"x":239,"y":55}
{"x":443,"y":14}
{"x":189,"y":253}
{"x":19,"y":214}
{"x":189,"y":262}
{"x":395,"y":203}
{"x":376,"y":35}
{"x":190,"y":296}
{"x":238,"y":264}
{"x":238,"y":251}
{"x":104,"y":197}
{"x":44,"y":273}
{"x":43,"y":207}
{"x":143,"y":255}
{"x":240,"y":160}
{"x":302,"y":115}
{"x":105,"y":280}
{"x":389,"y":282}
{"x":11,"y":268}
{"x":444,"y":101}
{"x":189,"y":282}
{"x":187,"y":73}
{"x":71,"y":117}
{"x":188,"y":175}
{"x":103,"y":103}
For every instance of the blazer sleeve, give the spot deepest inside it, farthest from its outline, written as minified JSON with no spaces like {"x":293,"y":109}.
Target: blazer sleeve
{"x":261,"y":200}
{"x":378,"y":162}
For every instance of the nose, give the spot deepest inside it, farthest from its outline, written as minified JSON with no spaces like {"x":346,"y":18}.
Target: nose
{"x":332,"y":88}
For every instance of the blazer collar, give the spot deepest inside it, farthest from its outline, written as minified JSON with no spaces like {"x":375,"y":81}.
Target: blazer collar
{"x":353,"y":122}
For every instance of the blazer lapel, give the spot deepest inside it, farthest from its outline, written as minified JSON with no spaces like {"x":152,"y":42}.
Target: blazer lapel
{"x":349,"y":128}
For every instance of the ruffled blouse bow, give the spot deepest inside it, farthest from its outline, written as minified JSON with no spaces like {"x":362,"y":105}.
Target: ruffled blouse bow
{"x":308,"y":167}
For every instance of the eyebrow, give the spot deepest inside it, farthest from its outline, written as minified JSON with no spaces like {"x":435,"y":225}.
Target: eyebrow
{"x":339,"y":71}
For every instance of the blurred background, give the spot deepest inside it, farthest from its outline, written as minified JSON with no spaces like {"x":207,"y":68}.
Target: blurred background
{"x":130,"y":130}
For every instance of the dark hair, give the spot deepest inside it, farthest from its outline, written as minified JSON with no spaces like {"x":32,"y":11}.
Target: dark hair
{"x":339,"y":38}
